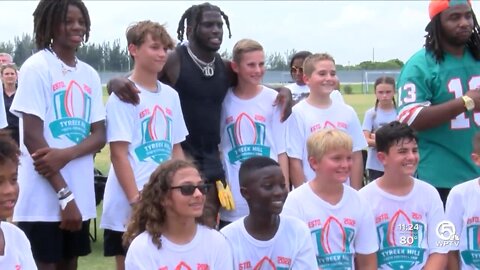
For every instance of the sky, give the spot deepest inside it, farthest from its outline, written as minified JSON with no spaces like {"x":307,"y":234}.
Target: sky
{"x":351,"y":31}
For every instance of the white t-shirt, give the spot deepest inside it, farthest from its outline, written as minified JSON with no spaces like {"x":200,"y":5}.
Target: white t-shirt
{"x":306,"y":119}
{"x":3,"y":113}
{"x":371,"y":122}
{"x":336,"y":96}
{"x":463,"y":210}
{"x":208,"y":250}
{"x":290,"y":247}
{"x":248,"y":128}
{"x":17,"y":253}
{"x":405,"y":225}
{"x":68,"y":100}
{"x":299,"y":92}
{"x":152,"y":128}
{"x":337,"y":231}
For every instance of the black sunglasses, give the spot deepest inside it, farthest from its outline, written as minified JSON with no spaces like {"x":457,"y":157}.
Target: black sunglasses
{"x":295,"y":69}
{"x":188,"y":190}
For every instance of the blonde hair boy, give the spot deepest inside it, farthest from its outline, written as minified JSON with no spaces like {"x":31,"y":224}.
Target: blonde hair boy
{"x":327,"y":140}
{"x":319,"y":111}
{"x":310,"y":61}
{"x":245,"y":46}
{"x":340,"y":221}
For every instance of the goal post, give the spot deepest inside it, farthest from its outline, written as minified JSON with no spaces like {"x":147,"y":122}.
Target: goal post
{"x":369,"y":77}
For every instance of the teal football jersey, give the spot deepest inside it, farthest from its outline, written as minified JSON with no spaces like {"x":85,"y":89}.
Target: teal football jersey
{"x":444,"y":150}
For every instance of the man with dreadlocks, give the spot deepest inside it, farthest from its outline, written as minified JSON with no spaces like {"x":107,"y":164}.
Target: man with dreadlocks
{"x":439,"y":95}
{"x":201,"y":78}
{"x":59,"y":100}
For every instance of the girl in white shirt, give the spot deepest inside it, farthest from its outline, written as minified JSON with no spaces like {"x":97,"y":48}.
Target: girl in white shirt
{"x":165,"y":231}
{"x":15,"y":251}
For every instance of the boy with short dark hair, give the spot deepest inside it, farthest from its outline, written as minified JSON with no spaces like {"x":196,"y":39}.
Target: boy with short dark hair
{"x":141,"y":136}
{"x":407,"y":211}
{"x":463,"y":210}
{"x":264,"y":237}
{"x":340,"y":221}
{"x":15,"y":250}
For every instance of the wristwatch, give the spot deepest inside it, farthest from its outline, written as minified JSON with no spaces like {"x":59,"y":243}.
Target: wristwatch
{"x":469,"y":103}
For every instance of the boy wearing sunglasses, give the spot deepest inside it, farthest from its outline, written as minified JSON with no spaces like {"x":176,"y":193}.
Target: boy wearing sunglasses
{"x":264,"y":238}
{"x":141,"y":136}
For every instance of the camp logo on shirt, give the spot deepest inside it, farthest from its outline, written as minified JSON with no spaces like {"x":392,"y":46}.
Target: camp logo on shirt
{"x":333,"y":242}
{"x":328,"y":124}
{"x":72,"y":105}
{"x":156,"y":135}
{"x":247,"y":138}
{"x":267,"y":264}
{"x":400,"y":239}
{"x":185,"y":266}
{"x":471,"y":256}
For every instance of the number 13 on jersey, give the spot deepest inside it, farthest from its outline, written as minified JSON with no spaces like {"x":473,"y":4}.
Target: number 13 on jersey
{"x":408,"y":94}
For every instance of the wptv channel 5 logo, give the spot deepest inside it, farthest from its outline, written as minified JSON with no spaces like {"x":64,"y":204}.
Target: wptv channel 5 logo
{"x":447,"y":234}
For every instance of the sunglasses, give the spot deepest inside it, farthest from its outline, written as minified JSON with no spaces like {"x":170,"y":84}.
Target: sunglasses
{"x":188,"y":190}
{"x":295,"y":69}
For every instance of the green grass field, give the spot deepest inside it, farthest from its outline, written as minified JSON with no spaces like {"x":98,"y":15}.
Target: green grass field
{"x":96,"y":261}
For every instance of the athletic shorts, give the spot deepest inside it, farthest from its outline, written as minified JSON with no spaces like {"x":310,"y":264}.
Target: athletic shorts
{"x":112,"y":243}
{"x":50,"y":244}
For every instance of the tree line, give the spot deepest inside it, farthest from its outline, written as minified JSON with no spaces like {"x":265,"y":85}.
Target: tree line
{"x":111,"y":56}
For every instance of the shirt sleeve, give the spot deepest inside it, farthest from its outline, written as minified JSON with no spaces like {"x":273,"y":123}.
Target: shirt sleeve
{"x":336,"y":96}
{"x":180,"y":128}
{"x":454,"y":211}
{"x":31,"y":95}
{"x":292,"y":208}
{"x":365,"y":237}
{"x":279,"y":131}
{"x":356,"y":132}
{"x":98,"y":109}
{"x":137,"y":256}
{"x":306,"y":258}
{"x":120,"y":120}
{"x":414,"y":91}
{"x":224,"y":256}
{"x":295,"y":136}
{"x":368,"y":120}
{"x":436,"y":216}
{"x":27,"y":262}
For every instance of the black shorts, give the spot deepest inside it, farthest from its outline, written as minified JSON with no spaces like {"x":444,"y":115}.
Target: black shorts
{"x":112,"y":243}
{"x":50,"y":244}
